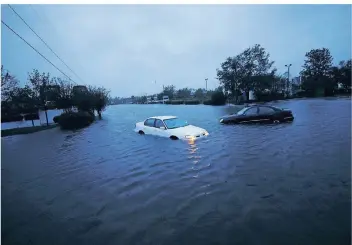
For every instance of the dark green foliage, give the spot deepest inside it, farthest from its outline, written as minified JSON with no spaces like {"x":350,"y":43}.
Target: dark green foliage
{"x":207,"y":102}
{"x":160,"y":96}
{"x":183,"y":93}
{"x":192,"y":102}
{"x":26,"y":130}
{"x":99,"y":97}
{"x":11,"y":118}
{"x":56,"y":119}
{"x":33,"y":116}
{"x":218,"y":98}
{"x":316,"y":73}
{"x":169,"y":91}
{"x":75,"y":120}
{"x":249,"y":70}
{"x":175,"y":102}
{"x":269,"y":96}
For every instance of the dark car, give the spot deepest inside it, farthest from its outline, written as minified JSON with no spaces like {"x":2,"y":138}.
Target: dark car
{"x":259,"y":114}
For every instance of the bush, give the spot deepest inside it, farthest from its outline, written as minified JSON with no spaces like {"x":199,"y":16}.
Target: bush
{"x":56,"y":119}
{"x":217,"y":98}
{"x":34,"y":116}
{"x":192,"y":102}
{"x":11,"y":118}
{"x":75,"y":120}
{"x":207,"y":102}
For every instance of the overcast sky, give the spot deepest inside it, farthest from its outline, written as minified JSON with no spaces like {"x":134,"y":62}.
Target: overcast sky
{"x":126,"y":48}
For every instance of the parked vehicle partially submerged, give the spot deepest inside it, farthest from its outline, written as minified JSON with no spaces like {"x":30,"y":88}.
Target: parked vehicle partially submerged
{"x":259,"y":114}
{"x":171,"y":127}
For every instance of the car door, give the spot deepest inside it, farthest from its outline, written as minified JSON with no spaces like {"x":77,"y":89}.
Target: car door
{"x":266,"y":114}
{"x":149,"y":126}
{"x":159,"y":128}
{"x":250,"y":115}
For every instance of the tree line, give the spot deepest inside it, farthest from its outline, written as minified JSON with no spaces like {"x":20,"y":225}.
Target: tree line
{"x":45,"y":92}
{"x":253,"y":70}
{"x":200,"y":94}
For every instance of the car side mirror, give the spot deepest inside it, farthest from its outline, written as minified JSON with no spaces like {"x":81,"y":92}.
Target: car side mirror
{"x":163,"y":128}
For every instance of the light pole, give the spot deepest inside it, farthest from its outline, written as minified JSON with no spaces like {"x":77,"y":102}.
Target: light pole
{"x":288,"y":75}
{"x":206,"y":84}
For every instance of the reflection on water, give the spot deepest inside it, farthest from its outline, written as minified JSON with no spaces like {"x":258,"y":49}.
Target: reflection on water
{"x":281,"y":184}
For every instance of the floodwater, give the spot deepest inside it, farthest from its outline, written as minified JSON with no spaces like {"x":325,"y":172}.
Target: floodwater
{"x":245,"y":184}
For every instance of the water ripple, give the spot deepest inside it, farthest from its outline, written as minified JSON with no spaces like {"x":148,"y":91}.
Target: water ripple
{"x":106,"y":184}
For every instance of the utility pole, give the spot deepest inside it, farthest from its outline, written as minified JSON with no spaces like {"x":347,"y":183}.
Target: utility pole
{"x":206,"y":84}
{"x":288,"y":76}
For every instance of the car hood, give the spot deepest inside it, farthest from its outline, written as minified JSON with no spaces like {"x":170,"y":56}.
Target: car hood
{"x":188,"y":130}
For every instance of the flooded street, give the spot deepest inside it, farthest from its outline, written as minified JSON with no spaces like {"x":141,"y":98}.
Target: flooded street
{"x":244,"y":184}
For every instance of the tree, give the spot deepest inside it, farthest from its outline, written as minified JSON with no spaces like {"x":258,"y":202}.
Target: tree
{"x":39,"y":85}
{"x":143,"y":99}
{"x":8,"y":84}
{"x":64,"y":100}
{"x":24,"y":101}
{"x":316,"y":73}
{"x":341,"y":74}
{"x":160,"y":96}
{"x":218,"y":97}
{"x":183,"y":93}
{"x":169,"y":91}
{"x":246,"y":71}
{"x":99,"y":97}
{"x":231,"y":75}
{"x":200,"y":93}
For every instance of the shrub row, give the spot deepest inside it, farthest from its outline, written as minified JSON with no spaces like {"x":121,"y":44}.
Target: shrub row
{"x":217,"y":98}
{"x":192,"y":102}
{"x":16,"y":118}
{"x":174,"y":102}
{"x":266,"y":97}
{"x":182,"y":102}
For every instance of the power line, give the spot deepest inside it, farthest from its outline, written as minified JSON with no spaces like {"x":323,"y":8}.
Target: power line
{"x":45,"y":43}
{"x":36,"y":50}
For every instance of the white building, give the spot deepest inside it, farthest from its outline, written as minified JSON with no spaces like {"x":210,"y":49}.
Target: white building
{"x":165,"y":98}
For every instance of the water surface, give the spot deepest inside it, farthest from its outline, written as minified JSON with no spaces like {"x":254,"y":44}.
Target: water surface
{"x":246,"y":184}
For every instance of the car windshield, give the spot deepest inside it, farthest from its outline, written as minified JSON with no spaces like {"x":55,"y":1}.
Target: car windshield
{"x":175,"y":123}
{"x":241,"y":112}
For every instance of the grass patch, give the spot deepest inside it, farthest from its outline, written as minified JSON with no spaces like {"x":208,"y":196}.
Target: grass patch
{"x":25,"y":130}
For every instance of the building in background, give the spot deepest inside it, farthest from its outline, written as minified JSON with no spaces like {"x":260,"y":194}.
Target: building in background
{"x":296,"y":81}
{"x":295,"y":85}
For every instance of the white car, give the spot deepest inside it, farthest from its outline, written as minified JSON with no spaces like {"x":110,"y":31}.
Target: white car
{"x":171,"y":127}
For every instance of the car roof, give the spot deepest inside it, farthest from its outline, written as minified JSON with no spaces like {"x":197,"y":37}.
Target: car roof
{"x":163,"y":117}
{"x":263,"y":105}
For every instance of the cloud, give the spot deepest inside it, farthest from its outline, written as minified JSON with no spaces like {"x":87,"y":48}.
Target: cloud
{"x":127,"y":47}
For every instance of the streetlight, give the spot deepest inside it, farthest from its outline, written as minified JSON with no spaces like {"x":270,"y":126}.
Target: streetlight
{"x":288,"y":75}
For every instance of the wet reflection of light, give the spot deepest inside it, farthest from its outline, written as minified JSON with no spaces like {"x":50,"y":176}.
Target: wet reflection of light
{"x":193,"y":152}
{"x":192,"y":147}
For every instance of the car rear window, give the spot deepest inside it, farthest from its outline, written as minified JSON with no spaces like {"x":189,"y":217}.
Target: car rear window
{"x":149,"y":122}
{"x":266,"y":110}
